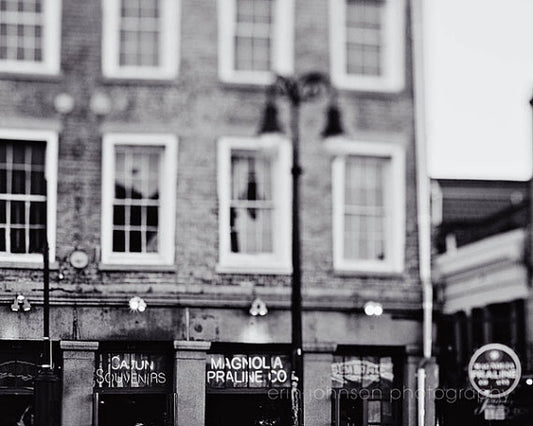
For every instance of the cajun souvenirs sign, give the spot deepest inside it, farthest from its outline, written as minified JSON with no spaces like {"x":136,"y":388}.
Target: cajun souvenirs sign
{"x":248,"y":371}
{"x":357,"y":372}
{"x":494,"y":370}
{"x":132,"y":370}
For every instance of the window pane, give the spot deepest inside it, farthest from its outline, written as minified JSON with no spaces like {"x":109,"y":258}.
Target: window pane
{"x":37,"y":183}
{"x":136,"y":205}
{"x":36,"y":240}
{"x":364,"y":36}
{"x":135,"y":242}
{"x":365,"y":208}
{"x":253,"y":34}
{"x":17,"y":212}
{"x":2,"y":239}
{"x":139,"y":31}
{"x":3,"y":214}
{"x":18,"y":182}
{"x":18,"y":240}
{"x":119,"y":243}
{"x":37,"y":213}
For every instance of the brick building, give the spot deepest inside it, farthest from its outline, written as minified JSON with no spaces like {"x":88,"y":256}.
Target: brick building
{"x":143,"y":116}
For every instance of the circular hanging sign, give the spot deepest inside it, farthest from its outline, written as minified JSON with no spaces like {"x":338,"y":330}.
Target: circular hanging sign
{"x":494,"y":370}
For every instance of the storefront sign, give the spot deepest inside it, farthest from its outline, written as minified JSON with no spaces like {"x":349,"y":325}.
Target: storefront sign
{"x":132,"y":370}
{"x":241,"y":371}
{"x":494,"y":370}
{"x":361,"y":371}
{"x":17,"y":374}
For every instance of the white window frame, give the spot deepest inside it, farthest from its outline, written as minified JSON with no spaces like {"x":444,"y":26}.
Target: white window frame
{"x":167,"y":196}
{"x":282,"y":51}
{"x":51,"y":45}
{"x":50,"y":138}
{"x":169,"y":46}
{"x":393,"y":52}
{"x":395,"y":226}
{"x":279,"y":262}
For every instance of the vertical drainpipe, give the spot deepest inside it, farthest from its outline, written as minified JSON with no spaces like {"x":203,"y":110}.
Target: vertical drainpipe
{"x":423,"y":201}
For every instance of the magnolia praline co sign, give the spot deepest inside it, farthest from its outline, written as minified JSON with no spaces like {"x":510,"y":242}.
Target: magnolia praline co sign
{"x":494,"y":370}
{"x":242,"y":371}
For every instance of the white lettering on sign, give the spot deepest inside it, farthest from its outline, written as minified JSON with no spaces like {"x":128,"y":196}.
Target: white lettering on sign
{"x":494,"y":370}
{"x":243,"y":370}
{"x":130,"y":370}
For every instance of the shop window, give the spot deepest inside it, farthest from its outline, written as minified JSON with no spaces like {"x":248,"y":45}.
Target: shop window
{"x":134,"y":388}
{"x":254,"y":204}
{"x":30,"y":36}
{"x":367,"y":44}
{"x":255,"y":39}
{"x":362,"y":391}
{"x":27,"y":200}
{"x":248,"y":388}
{"x":19,"y":366}
{"x":369,"y":208}
{"x":140,"y":38}
{"x":139,"y":175}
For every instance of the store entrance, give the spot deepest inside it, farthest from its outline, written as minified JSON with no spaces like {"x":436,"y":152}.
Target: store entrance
{"x":130,"y":409}
{"x":239,"y":409}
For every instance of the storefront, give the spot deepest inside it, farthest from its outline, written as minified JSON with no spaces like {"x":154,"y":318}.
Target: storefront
{"x":366,"y":388}
{"x":248,"y":385}
{"x":19,"y":366}
{"x":133,"y":385}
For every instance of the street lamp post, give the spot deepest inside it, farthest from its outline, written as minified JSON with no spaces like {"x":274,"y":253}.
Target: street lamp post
{"x":298,"y":90}
{"x":46,"y":382}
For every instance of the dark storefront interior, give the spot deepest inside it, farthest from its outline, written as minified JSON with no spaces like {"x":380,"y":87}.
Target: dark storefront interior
{"x":459,"y":336}
{"x":134,"y":385}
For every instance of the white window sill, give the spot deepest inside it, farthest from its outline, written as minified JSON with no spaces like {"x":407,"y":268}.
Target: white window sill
{"x":373,"y":270}
{"x":365,"y":84}
{"x":141,"y":74}
{"x":254,"y":270}
{"x":115,"y":267}
{"x":251,"y":78}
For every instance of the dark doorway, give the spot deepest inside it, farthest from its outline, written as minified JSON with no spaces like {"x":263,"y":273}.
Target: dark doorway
{"x":16,"y":409}
{"x":239,"y":409}
{"x":133,"y":410}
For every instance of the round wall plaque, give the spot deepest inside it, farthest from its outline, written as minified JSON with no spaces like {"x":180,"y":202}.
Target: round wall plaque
{"x":79,"y":259}
{"x":494,"y":370}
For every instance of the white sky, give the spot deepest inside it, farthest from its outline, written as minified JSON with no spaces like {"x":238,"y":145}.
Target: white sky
{"x":479,"y":76}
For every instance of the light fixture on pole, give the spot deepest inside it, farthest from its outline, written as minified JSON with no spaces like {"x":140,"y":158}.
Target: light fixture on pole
{"x":298,"y":90}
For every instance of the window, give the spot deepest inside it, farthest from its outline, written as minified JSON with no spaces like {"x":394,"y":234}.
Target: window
{"x":30,"y":36}
{"x":254,"y":205}
{"x":139,"y":182}
{"x":140,"y":38}
{"x":26,"y":157}
{"x":369,"y":207}
{"x":362,"y":390}
{"x":367,"y":44}
{"x":255,"y":39}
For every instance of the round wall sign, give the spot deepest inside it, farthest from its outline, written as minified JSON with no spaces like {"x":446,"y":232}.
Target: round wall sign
{"x":79,"y":259}
{"x":494,"y":370}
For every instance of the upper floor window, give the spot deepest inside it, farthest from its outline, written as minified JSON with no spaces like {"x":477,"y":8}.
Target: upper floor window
{"x":368,"y":44}
{"x":369,"y":207}
{"x":254,"y":205}
{"x":255,"y":39}
{"x":26,"y":157}
{"x":140,"y":38}
{"x":138,"y":199}
{"x":30,"y":36}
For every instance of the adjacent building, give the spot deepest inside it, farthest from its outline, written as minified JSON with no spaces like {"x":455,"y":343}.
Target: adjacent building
{"x":483,"y":279}
{"x":128,"y":138}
